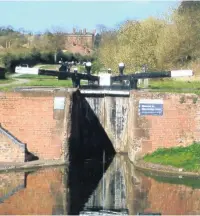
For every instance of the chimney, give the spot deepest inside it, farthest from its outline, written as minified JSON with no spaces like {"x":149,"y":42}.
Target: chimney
{"x":84,"y":31}
{"x":74,"y":31}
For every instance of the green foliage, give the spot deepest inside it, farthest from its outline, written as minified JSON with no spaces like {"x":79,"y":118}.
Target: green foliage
{"x":32,"y":57}
{"x":134,"y":44}
{"x":187,"y":158}
{"x":97,"y":41}
{"x":21,"y":47}
{"x":168,"y":43}
{"x":96,"y":66}
{"x":4,"y":31}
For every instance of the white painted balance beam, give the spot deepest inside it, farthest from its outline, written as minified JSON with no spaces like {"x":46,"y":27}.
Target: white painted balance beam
{"x":181,"y":73}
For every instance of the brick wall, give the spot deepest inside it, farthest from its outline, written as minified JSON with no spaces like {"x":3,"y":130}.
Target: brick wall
{"x":179,"y":124}
{"x":11,"y":151}
{"x":80,"y":39}
{"x":31,"y":118}
{"x":42,"y":194}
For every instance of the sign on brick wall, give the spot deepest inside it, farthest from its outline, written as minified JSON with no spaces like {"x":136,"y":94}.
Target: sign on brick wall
{"x":59,"y":103}
{"x":150,"y":107}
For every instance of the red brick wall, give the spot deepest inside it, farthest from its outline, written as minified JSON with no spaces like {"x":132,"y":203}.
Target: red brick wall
{"x":80,"y":40}
{"x":42,"y":194}
{"x":179,"y":124}
{"x":31,"y":118}
{"x":8,"y":148}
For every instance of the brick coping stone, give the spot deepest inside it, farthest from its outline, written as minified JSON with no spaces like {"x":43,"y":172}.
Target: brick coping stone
{"x":163,"y":170}
{"x":11,"y":166}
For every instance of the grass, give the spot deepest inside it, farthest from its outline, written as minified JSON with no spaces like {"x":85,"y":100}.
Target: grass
{"x":49,"y":66}
{"x":49,"y":82}
{"x":175,"y":86}
{"x":187,"y":158}
{"x":7,"y":80}
{"x":35,"y":77}
{"x":35,"y":80}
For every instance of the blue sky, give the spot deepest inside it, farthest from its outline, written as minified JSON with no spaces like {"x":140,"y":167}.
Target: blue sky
{"x":38,"y":16}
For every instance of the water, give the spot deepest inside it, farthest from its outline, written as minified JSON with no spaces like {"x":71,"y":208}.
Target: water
{"x":97,"y":188}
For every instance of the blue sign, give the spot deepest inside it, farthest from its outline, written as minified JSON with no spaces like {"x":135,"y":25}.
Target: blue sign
{"x":151,"y":107}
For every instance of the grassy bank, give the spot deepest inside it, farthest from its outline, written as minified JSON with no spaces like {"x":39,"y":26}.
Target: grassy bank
{"x":7,"y":80}
{"x":175,"y":86}
{"x":35,"y":80}
{"x":187,"y":158}
{"x":158,"y":85}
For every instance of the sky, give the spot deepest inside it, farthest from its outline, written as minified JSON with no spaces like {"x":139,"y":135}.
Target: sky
{"x":38,"y":16}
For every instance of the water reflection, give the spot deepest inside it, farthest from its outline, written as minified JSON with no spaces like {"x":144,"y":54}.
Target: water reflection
{"x":171,"y":195}
{"x":96,"y":188}
{"x":83,"y":179}
{"x":110,"y":193}
{"x":42,"y":192}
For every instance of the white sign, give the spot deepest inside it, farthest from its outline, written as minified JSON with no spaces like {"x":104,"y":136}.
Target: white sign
{"x":59,"y":103}
{"x":104,"y":79}
{"x":150,"y":107}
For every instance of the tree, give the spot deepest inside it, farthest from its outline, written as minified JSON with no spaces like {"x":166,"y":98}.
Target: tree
{"x":134,"y":44}
{"x":57,"y":40}
{"x":101,"y":28}
{"x":180,"y":41}
{"x":97,"y":40}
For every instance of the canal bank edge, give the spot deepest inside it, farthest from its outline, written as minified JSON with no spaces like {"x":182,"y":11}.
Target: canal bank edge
{"x":9,"y":167}
{"x":163,"y":170}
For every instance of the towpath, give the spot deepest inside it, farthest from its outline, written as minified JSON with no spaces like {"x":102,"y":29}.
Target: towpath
{"x":16,"y":81}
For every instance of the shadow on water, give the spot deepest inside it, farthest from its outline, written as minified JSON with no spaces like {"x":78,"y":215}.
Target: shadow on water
{"x":83,"y":180}
{"x":90,"y":152}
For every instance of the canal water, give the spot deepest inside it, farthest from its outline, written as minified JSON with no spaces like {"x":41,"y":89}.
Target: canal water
{"x":97,"y":188}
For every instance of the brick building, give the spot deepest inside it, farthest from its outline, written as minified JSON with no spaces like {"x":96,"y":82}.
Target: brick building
{"x":80,"y":41}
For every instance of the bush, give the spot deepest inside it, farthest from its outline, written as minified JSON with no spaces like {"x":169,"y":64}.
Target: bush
{"x":96,"y":66}
{"x":34,"y":56}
